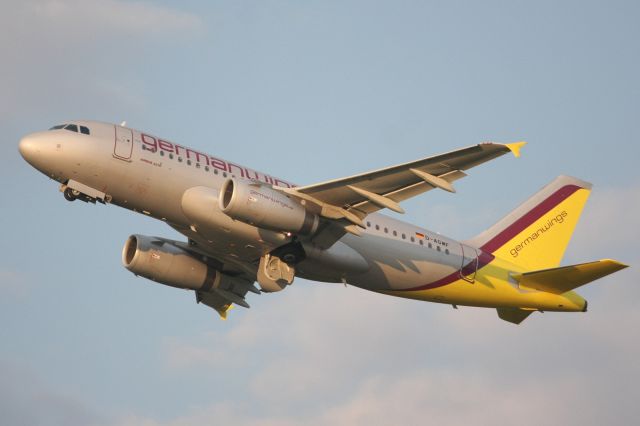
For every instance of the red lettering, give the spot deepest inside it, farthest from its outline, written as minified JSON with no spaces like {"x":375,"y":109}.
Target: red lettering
{"x":149,"y":141}
{"x":236,"y":166}
{"x":165,"y":146}
{"x":152,"y":144}
{"x":218,"y":164}
{"x":197,"y":155}
{"x":279,"y":182}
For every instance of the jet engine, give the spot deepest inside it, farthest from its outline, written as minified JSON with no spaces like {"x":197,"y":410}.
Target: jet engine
{"x":165,"y":263}
{"x":262,"y":206}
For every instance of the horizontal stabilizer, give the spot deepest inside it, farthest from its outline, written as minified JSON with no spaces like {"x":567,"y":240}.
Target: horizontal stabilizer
{"x":566,"y":278}
{"x":513,"y":315}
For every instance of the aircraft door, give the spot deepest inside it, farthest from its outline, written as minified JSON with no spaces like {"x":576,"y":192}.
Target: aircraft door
{"x":123,"y":143}
{"x":469,"y":265}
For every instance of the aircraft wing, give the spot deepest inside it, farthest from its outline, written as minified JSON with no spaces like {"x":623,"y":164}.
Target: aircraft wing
{"x":345,"y":202}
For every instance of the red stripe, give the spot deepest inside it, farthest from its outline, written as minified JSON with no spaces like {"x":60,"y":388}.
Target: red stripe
{"x":530,"y":217}
{"x":483,"y":260}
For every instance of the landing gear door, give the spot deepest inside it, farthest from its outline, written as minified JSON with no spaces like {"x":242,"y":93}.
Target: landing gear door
{"x":123,"y":143}
{"x":469,"y":266}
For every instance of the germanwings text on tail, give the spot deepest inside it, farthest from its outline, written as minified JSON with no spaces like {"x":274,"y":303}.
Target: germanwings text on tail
{"x":243,"y":226}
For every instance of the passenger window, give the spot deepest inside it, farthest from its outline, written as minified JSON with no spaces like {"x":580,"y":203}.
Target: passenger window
{"x":368,"y":224}
{"x":188,"y":162}
{"x":404,"y":237}
{"x":71,"y":128}
{"x":206,"y":168}
{"x":84,"y":130}
{"x":446,"y":251}
{"x":386,"y":230}
{"x":395,"y":234}
{"x":377,"y":227}
{"x":421,"y":242}
{"x":430,"y":246}
{"x":438,"y":248}
{"x":413,"y":240}
{"x":179,"y":159}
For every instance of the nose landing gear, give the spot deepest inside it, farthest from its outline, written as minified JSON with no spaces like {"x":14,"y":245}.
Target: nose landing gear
{"x":71,"y":194}
{"x":73,"y":190}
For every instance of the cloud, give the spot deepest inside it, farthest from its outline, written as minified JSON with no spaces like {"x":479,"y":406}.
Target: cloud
{"x":24,"y":400}
{"x":12,"y":283}
{"x":73,"y":53}
{"x":351,"y":357}
{"x":77,"y":21}
{"x":610,"y":223}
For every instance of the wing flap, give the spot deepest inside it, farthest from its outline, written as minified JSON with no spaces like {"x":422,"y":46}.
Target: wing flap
{"x":566,"y":278}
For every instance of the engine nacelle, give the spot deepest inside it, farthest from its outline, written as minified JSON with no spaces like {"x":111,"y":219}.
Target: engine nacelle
{"x":167,"y":264}
{"x":264,"y":207}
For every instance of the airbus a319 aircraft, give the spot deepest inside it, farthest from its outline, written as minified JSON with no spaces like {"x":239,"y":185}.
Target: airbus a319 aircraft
{"x":244,"y":226}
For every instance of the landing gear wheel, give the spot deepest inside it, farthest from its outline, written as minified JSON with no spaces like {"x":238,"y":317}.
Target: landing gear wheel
{"x":71,"y":194}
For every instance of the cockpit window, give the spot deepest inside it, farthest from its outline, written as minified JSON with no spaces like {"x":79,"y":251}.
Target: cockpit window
{"x":72,"y":128}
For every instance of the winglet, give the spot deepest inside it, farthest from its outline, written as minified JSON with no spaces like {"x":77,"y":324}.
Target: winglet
{"x":223,"y":311}
{"x":515,"y":147}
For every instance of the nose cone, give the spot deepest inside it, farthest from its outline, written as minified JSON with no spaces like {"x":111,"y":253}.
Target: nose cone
{"x":28,"y":148}
{"x":37,"y":149}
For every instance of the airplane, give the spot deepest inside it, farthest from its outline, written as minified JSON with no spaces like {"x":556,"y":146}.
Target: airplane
{"x":243,"y":226}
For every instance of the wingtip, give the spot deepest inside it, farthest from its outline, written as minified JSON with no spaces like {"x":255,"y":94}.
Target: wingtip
{"x":223,"y":311}
{"x":515,"y":147}
{"x":617,"y":264}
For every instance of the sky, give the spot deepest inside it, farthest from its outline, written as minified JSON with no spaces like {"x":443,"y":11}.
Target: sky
{"x":311,"y":91}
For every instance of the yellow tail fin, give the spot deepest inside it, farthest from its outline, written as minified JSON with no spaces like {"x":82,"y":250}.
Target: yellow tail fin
{"x":536,"y":234}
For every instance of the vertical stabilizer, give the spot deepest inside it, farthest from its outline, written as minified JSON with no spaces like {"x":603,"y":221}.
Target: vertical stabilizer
{"x":536,"y":234}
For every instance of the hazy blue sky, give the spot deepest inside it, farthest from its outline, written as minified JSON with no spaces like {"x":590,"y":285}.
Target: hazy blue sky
{"x":311,"y":91}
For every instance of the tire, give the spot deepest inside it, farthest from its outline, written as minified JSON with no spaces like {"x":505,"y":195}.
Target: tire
{"x":70,"y":194}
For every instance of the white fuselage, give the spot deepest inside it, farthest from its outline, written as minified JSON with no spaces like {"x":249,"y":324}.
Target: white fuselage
{"x":150,"y":175}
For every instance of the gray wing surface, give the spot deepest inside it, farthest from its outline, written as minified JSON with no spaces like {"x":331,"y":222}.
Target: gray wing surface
{"x":345,"y":202}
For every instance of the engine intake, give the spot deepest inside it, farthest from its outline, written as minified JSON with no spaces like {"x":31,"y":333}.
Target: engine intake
{"x":262,"y":206}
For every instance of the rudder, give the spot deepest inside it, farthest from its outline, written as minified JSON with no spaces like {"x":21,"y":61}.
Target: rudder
{"x":536,"y":234}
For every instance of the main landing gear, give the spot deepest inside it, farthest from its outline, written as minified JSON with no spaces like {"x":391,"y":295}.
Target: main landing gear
{"x":277,"y":269}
